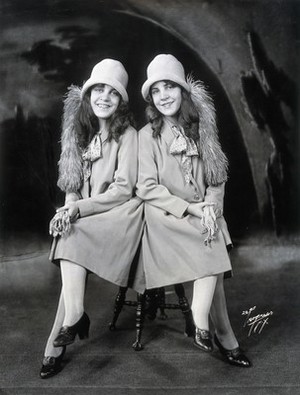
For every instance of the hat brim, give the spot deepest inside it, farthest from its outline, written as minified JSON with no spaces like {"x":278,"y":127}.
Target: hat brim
{"x":162,"y":77}
{"x":108,"y":81}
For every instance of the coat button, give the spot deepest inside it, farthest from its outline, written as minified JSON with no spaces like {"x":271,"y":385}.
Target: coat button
{"x":196,"y":196}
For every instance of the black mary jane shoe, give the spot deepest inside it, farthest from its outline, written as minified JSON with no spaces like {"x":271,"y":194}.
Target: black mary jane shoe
{"x":235,"y":356}
{"x":51,"y":365}
{"x":67,"y":334}
{"x":203,"y":340}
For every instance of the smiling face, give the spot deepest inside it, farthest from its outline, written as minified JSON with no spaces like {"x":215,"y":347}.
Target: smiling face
{"x":104,"y":101}
{"x":166,"y":96}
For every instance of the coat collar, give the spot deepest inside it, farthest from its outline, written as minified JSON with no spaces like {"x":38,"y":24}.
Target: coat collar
{"x":167,"y":134}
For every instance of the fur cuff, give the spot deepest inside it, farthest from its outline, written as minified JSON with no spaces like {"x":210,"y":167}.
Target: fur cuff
{"x":70,"y":163}
{"x":214,"y":159}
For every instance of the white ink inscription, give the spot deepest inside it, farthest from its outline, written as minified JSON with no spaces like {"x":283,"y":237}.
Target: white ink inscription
{"x":257,"y":322}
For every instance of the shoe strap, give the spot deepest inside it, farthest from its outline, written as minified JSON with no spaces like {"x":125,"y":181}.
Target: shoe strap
{"x":48,"y":360}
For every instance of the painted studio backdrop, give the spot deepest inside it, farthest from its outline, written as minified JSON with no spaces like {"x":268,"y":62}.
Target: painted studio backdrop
{"x":244,"y":51}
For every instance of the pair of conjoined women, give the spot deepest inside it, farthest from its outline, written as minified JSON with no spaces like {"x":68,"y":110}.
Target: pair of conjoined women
{"x":161,"y":188}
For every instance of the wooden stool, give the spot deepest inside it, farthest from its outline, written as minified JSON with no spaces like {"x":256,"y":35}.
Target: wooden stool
{"x":148,"y":303}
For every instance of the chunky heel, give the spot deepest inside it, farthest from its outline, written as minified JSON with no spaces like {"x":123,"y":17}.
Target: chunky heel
{"x":67,"y":334}
{"x":83,"y":333}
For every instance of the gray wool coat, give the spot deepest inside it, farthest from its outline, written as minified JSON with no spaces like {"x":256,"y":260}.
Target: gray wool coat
{"x":105,"y":238}
{"x":173,"y":249}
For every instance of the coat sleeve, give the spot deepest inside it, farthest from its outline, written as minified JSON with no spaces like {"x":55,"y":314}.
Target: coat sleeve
{"x":148,"y":187}
{"x":215,"y":194}
{"x":71,"y":197}
{"x":122,"y":187}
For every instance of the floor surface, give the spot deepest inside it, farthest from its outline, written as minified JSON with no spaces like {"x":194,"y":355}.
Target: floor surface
{"x":266,"y":275}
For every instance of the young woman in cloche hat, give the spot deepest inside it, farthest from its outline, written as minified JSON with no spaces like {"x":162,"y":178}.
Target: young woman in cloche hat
{"x":182,"y":174}
{"x":98,"y":173}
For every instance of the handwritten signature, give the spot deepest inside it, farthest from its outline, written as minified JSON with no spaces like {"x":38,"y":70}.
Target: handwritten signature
{"x":257,"y":322}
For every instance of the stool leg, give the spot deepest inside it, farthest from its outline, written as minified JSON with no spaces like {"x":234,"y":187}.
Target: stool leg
{"x":186,"y":310}
{"x":151,"y":303}
{"x":137,"y":345}
{"x":119,"y":303}
{"x":161,"y":303}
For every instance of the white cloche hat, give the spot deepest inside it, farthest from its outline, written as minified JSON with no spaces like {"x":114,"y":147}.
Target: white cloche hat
{"x":164,"y":67}
{"x":110,"y":72}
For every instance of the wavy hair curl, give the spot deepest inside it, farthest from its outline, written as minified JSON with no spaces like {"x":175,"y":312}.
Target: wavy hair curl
{"x":86,"y":123}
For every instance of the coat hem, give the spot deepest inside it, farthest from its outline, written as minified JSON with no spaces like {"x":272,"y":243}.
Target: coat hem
{"x":56,"y":261}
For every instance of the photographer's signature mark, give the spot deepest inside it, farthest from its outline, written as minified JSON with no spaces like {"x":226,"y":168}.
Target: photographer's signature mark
{"x":257,"y":322}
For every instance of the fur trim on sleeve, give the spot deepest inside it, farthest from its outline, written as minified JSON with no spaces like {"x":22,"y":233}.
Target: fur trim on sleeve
{"x":214,"y":159}
{"x":70,"y":163}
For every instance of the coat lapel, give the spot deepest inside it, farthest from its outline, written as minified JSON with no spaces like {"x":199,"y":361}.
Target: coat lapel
{"x":167,"y":134}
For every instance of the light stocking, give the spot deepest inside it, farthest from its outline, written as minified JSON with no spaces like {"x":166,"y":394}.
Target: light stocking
{"x":73,"y":279}
{"x":51,"y":351}
{"x":219,"y":317}
{"x":202,"y":298}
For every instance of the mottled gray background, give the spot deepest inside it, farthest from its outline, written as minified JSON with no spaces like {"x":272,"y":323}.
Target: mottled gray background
{"x":244,"y":51}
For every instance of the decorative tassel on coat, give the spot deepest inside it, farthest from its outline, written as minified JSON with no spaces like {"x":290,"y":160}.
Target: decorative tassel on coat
{"x":214,"y":159}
